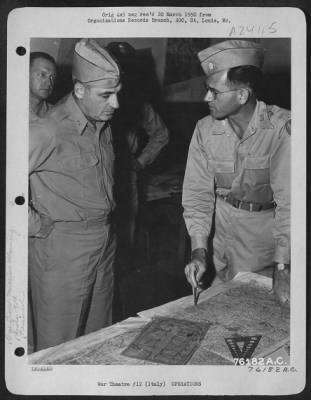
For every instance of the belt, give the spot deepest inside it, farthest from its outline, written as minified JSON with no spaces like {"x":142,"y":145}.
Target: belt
{"x":86,"y":223}
{"x":246,"y":205}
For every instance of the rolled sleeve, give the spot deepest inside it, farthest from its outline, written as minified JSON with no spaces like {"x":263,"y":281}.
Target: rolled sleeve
{"x":198,"y":197}
{"x":158,"y":136}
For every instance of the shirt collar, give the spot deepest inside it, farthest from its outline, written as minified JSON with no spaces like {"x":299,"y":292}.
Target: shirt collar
{"x":43,"y":109}
{"x":260,"y":120}
{"x":76,"y":114}
{"x":79,"y":118}
{"x":219,"y":127}
{"x":262,"y":116}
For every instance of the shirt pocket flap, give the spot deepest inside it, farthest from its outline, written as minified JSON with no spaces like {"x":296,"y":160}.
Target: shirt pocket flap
{"x":81,"y":161}
{"x":222,"y":166}
{"x":257,"y":162}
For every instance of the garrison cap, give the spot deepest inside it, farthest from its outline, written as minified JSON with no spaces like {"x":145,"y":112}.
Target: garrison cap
{"x":92,"y":63}
{"x":230,"y":54}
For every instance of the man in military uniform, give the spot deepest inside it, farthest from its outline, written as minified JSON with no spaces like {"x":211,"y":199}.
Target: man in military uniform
{"x":71,"y":176}
{"x":42,"y":76}
{"x":239,"y":166}
{"x":140,"y":135}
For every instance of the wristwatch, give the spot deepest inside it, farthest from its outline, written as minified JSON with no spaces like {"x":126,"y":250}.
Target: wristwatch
{"x":281,"y":267}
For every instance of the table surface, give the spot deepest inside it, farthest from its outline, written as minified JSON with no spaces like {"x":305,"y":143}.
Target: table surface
{"x":243,"y":307}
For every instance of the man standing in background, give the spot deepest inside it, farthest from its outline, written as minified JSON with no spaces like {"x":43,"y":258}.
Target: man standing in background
{"x":71,"y":177}
{"x":239,"y":166}
{"x":42,"y":76}
{"x":140,"y":135}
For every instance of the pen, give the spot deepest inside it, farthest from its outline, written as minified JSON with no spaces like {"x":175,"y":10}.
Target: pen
{"x":195,"y":296}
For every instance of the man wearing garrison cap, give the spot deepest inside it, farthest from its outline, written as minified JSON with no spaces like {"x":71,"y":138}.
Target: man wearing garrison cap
{"x":71,"y":177}
{"x":239,"y":166}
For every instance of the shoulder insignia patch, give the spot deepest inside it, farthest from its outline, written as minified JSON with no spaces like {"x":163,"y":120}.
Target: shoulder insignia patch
{"x":270,"y":113}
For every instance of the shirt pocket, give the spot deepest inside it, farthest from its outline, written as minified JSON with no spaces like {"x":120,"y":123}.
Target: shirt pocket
{"x":80,"y":175}
{"x":79,"y":162}
{"x":221,"y":167}
{"x":223,"y":171}
{"x":258,"y":170}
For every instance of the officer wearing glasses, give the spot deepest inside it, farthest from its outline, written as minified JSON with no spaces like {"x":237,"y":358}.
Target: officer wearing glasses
{"x":239,"y":167}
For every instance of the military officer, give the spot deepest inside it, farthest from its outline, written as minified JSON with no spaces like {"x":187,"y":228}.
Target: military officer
{"x":71,"y":176}
{"x":239,"y":166}
{"x":42,"y":76}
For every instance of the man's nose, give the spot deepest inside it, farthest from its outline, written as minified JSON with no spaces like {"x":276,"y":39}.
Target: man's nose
{"x":209,"y":96}
{"x":49,"y":81}
{"x":114,"y":102}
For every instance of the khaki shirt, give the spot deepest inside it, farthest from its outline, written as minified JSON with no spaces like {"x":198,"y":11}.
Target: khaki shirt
{"x":157,"y":134}
{"x":45,"y":107}
{"x":70,"y":164}
{"x":34,"y":220}
{"x":255,"y":168}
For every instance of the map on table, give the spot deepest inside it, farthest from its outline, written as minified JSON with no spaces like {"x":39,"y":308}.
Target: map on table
{"x":241,"y":311}
{"x":168,"y":341}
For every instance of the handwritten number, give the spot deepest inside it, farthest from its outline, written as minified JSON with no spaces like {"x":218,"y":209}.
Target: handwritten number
{"x":272,"y":28}
{"x":232,"y":31}
{"x":242,"y":30}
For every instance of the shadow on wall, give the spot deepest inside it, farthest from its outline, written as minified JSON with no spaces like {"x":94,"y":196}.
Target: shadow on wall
{"x":63,"y":83}
{"x":181,"y":118}
{"x":276,"y":89}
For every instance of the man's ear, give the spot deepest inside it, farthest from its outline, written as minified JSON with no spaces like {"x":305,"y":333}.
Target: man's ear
{"x":243,"y":95}
{"x":79,"y":90}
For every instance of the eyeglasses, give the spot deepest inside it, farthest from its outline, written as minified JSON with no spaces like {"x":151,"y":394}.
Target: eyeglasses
{"x":214,"y":93}
{"x":42,"y":75}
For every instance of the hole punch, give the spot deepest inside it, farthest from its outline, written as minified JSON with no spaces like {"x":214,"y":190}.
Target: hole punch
{"x":19,"y":200}
{"x":19,"y":351}
{"x":20,"y":50}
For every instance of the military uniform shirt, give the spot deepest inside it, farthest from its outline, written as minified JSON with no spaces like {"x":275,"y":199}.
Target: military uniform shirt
{"x":44,"y":108}
{"x":157,"y":134}
{"x":70,"y":164}
{"x":255,"y":168}
{"x":34,"y":222}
